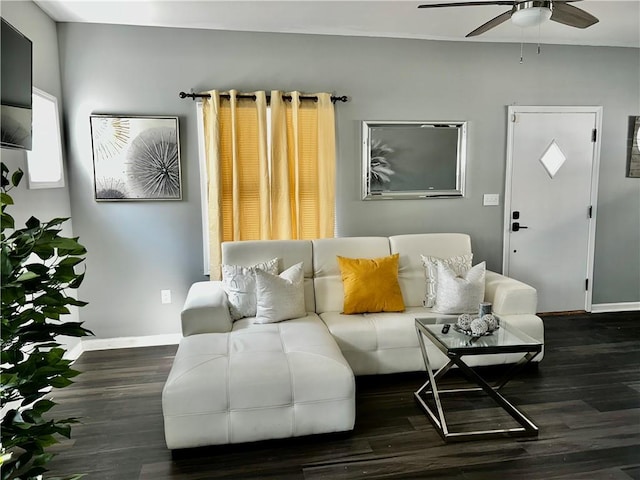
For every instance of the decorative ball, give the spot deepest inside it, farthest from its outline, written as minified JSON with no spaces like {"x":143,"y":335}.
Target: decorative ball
{"x":479,"y":327}
{"x":464,"y":321}
{"x":492,"y":321}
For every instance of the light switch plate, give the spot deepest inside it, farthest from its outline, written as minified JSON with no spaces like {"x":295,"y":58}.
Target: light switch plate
{"x":491,"y":199}
{"x":165,"y":296}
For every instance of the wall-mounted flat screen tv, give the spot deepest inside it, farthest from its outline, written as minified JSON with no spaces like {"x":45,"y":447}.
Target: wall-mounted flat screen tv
{"x":15,"y":87}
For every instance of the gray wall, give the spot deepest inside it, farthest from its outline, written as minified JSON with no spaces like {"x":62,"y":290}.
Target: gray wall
{"x":44,"y":204}
{"x":137,"y":249}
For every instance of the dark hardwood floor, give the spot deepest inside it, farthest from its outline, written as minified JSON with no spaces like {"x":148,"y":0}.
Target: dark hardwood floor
{"x":584,"y":397}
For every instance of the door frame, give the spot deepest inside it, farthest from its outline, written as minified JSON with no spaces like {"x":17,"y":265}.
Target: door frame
{"x":513,"y":111}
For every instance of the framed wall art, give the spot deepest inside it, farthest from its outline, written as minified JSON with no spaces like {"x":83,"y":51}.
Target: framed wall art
{"x":412,"y":160}
{"x":136,"y":158}
{"x":633,"y":148}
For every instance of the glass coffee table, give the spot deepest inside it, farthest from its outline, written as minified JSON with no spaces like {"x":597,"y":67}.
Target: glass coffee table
{"x":456,"y":345}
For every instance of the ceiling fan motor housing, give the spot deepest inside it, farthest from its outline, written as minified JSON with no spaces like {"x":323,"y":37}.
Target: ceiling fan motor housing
{"x":531,"y":13}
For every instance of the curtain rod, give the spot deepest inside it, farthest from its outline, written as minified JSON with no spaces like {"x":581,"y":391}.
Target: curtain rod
{"x":193,"y":96}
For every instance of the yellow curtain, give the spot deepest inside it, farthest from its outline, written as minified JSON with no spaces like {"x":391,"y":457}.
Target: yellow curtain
{"x":238,"y":171}
{"x":251,"y":197}
{"x":302,"y":166}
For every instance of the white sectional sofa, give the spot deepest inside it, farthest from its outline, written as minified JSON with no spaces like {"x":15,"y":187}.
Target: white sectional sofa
{"x":238,"y":381}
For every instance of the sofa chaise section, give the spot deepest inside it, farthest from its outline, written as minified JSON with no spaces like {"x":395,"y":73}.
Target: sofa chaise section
{"x":234,"y":382}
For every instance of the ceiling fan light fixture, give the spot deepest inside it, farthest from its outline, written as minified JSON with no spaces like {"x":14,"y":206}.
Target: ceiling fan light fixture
{"x":531,"y":14}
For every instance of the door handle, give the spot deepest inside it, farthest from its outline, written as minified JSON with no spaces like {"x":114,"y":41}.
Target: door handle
{"x":515,"y":226}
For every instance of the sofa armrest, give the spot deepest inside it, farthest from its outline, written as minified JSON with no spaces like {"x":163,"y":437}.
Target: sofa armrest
{"x":206,"y":309}
{"x":509,"y":296}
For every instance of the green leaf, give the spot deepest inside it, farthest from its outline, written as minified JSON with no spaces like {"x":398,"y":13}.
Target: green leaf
{"x":57,"y":310}
{"x":60,"y":382}
{"x":33,"y":473}
{"x":52,"y":298}
{"x":12,"y":356}
{"x":43,"y":406}
{"x":44,"y":251}
{"x":68,"y":246}
{"x":74,"y":302}
{"x":42,"y":459}
{"x":27,"y":276}
{"x":16,"y":177}
{"x":55,"y":354}
{"x":71,"y":261}
{"x":6,"y":198}
{"x":7,"y":221}
{"x":55,"y":222}
{"x":76,"y":283}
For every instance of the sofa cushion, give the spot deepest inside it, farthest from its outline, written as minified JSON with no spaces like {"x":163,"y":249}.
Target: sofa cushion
{"x":371,"y":284}
{"x":329,"y":290}
{"x":410,"y":247}
{"x":257,"y":382}
{"x":375,"y":343}
{"x":240,"y":284}
{"x":280,"y":297}
{"x":459,"y":293}
{"x":290,"y":252}
{"x":459,"y":264}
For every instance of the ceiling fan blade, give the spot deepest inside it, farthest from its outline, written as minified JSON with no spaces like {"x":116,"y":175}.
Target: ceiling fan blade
{"x":466,"y":4}
{"x":572,"y":16}
{"x":494,"y":22}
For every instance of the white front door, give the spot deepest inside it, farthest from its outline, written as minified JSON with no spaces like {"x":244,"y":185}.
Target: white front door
{"x":550,"y":194}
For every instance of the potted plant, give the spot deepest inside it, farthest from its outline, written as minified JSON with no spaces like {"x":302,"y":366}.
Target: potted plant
{"x":37,"y":271}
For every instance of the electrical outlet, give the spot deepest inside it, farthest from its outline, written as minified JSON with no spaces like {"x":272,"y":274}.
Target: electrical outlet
{"x":491,"y":199}
{"x":165,"y":296}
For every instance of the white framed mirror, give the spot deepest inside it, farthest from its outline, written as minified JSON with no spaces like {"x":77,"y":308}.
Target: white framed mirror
{"x":413,"y":160}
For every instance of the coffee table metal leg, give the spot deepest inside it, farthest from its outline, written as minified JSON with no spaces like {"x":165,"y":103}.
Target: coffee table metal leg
{"x":439,"y":422}
{"x":437,"y":418}
{"x":515,"y":369}
{"x":528,"y":427}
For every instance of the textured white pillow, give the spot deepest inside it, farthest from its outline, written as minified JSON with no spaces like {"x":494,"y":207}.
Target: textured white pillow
{"x":459,"y":293}
{"x":240,"y":284}
{"x":280,"y":297}
{"x":459,"y":264}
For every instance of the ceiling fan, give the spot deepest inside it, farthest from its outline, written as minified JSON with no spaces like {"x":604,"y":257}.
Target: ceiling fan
{"x":528,"y":13}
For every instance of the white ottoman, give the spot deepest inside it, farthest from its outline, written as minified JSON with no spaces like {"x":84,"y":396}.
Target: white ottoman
{"x":257,"y":382}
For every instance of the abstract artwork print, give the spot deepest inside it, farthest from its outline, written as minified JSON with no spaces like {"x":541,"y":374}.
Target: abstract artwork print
{"x":136,"y":158}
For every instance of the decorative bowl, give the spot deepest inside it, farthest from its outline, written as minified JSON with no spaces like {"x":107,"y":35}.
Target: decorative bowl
{"x":478,"y":327}
{"x":471,"y":334}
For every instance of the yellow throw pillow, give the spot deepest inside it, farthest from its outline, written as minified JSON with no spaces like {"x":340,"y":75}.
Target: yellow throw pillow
{"x":371,"y":284}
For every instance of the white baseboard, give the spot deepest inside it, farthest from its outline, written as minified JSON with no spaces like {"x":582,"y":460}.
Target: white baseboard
{"x":615,"y":307}
{"x":91,"y":344}
{"x":75,"y":352}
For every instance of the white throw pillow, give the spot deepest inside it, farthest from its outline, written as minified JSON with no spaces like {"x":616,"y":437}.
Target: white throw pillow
{"x":280,"y":297}
{"x":459,"y":264}
{"x":459,"y":293}
{"x":240,"y":284}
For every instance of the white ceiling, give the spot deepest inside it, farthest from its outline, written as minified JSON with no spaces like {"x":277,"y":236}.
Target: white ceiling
{"x":619,"y":19}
